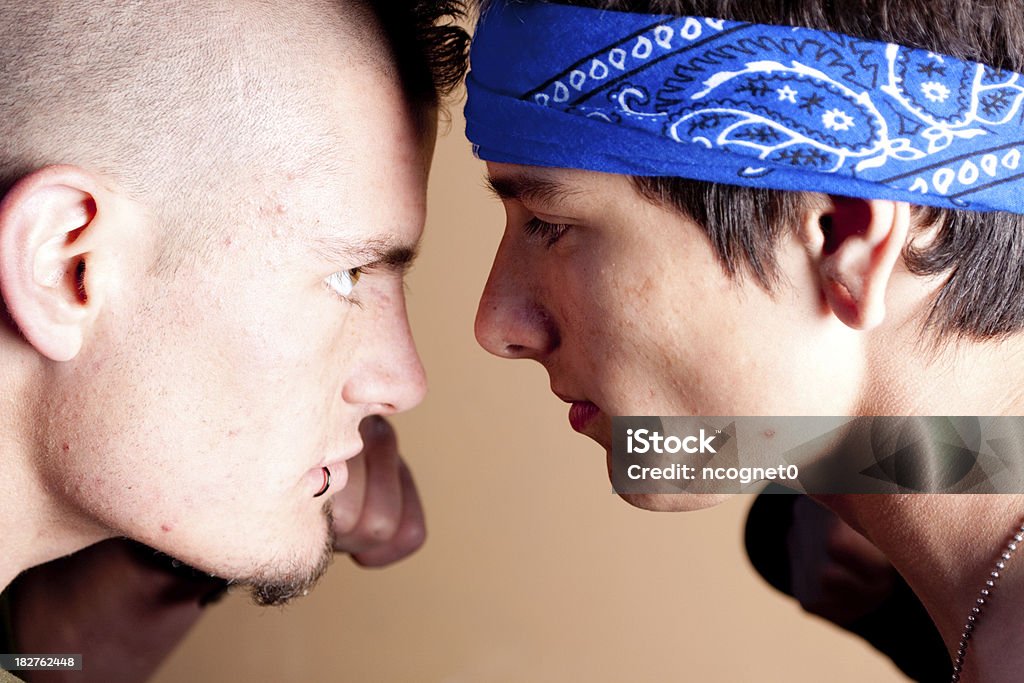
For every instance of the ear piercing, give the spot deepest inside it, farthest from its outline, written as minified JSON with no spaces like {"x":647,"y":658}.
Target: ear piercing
{"x":327,"y":483}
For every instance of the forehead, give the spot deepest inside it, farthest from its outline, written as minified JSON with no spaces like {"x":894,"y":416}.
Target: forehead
{"x":356,"y":171}
{"x":305,"y":134}
{"x":309,"y":131}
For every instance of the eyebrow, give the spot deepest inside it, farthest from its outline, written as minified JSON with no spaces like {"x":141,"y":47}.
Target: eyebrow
{"x":531,"y":188}
{"x":369,"y":254}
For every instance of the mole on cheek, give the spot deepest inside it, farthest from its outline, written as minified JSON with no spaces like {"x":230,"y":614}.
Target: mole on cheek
{"x":165,"y":528}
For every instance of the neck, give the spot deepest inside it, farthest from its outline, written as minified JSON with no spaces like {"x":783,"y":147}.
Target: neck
{"x":35,"y":526}
{"x":962,"y":377}
{"x":945,"y":546}
{"x":33,"y":530}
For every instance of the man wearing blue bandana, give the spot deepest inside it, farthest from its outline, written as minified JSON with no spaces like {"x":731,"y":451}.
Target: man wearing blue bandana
{"x":802,"y":208}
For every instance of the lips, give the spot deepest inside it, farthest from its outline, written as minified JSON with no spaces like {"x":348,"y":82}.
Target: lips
{"x":346,"y":454}
{"x":339,"y":477}
{"x":581,"y":414}
{"x":338,"y":467}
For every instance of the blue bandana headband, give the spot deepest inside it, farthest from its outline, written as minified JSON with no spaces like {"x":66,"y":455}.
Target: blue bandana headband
{"x":744,"y":104}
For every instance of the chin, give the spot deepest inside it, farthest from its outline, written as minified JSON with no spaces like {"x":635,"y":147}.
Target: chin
{"x":674,"y":502}
{"x":667,"y":502}
{"x":287,"y":559}
{"x":275,"y":587}
{"x":291,"y":573}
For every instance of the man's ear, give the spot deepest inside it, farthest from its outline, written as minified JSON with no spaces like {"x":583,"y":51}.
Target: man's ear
{"x":856,"y":244}
{"x":50,"y":223}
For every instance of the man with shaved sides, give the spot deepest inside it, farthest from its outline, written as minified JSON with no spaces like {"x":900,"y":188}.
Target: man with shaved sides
{"x":206,"y":210}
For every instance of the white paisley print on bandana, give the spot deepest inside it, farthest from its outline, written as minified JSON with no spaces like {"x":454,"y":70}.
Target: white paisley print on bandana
{"x":777,"y":106}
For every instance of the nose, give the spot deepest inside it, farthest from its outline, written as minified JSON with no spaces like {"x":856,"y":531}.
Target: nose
{"x":511,"y":321}
{"x":389,"y":376}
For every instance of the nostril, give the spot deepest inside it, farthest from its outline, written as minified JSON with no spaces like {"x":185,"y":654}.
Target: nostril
{"x":514,"y":350}
{"x":514,"y":326}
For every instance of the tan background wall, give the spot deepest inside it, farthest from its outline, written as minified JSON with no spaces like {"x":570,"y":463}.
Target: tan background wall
{"x":534,"y":571}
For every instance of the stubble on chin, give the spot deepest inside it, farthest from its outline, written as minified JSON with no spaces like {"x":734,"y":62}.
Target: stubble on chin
{"x":271,"y":587}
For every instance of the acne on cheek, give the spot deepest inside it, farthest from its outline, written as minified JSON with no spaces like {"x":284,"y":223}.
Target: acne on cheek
{"x":639,"y":293}
{"x":644,"y":290}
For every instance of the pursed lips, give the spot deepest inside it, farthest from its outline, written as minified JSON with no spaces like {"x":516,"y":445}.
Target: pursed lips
{"x":581,"y":411}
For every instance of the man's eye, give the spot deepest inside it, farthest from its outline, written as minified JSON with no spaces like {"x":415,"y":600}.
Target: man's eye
{"x":344,"y":281}
{"x":549,"y":232}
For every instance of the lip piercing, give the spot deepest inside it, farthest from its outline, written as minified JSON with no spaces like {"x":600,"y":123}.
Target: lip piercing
{"x":327,"y":483}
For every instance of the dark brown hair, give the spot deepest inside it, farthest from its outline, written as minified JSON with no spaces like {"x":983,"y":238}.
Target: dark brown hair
{"x":981,"y":255}
{"x":430,"y":47}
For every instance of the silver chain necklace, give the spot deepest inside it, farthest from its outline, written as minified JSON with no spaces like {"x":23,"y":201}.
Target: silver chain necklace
{"x":984,"y":596}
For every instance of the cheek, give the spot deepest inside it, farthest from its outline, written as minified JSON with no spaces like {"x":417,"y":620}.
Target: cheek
{"x":274,"y":345}
{"x":680,"y":343}
{"x":661,"y":338}
{"x":242,"y":384}
{"x":761,"y":355}
{"x":161,"y":452}
{"x":598,"y":304}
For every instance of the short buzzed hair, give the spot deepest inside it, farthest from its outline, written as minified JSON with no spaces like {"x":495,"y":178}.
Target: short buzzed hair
{"x":154,"y":94}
